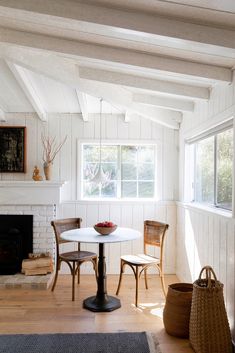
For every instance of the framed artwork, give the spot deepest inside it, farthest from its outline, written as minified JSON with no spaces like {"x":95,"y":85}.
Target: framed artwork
{"x":12,"y":149}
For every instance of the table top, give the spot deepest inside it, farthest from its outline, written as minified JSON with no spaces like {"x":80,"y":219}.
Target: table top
{"x":90,"y":235}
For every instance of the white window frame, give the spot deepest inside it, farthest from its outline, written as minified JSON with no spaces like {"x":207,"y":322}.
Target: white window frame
{"x":189,"y":191}
{"x":158,"y":169}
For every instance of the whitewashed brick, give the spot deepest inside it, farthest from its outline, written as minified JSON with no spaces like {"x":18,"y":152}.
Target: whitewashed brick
{"x":43,"y":236}
{"x":39,"y":218}
{"x":39,"y":207}
{"x":41,"y":229}
{"x":43,"y":224}
{"x":23,"y":208}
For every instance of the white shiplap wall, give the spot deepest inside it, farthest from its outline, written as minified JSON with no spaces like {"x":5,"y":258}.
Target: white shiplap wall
{"x":206,"y":237}
{"x":66,"y":167}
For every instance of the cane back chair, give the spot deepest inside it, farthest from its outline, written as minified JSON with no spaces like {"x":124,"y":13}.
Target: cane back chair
{"x":154,"y":235}
{"x":74,"y":259}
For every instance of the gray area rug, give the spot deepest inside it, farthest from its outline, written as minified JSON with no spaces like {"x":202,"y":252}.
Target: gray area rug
{"x":120,"y":342}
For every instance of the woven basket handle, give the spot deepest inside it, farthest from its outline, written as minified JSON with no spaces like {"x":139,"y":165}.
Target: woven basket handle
{"x":209,"y":271}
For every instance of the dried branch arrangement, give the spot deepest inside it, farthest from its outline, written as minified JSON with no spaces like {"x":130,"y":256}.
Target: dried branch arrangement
{"x":50,"y":148}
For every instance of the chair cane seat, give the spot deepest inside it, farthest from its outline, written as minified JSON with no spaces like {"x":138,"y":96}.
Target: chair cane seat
{"x":77,"y":256}
{"x":140,"y":259}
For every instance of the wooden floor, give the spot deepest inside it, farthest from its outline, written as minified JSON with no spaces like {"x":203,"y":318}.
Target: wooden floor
{"x":41,"y":311}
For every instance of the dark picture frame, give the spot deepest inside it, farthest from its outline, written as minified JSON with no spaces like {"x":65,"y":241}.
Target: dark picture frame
{"x":12,"y":149}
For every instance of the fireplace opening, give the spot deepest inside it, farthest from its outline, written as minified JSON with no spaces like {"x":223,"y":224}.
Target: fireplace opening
{"x":16,"y":241}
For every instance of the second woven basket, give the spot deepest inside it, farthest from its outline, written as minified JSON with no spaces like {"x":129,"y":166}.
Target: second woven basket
{"x":209,"y":328}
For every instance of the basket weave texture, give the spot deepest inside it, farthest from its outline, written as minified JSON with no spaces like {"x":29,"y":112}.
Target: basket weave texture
{"x":176,"y":312}
{"x":209,"y":328}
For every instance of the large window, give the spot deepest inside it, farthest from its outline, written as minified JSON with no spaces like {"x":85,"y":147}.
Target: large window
{"x":126,"y":171}
{"x":214,"y":169}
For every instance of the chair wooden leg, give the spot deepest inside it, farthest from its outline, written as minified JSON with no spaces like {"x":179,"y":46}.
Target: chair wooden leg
{"x":145,"y":278}
{"x":136,"y":285}
{"x":73,"y":280}
{"x":163,"y":282}
{"x":56,"y":276}
{"x":120,"y":276}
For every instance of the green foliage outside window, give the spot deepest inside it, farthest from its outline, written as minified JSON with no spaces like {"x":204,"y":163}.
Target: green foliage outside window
{"x":214,"y":170}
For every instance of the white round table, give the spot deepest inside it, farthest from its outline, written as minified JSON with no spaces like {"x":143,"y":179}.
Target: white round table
{"x":102,"y":301}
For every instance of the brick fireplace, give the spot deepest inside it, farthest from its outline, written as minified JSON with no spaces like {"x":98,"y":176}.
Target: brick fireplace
{"x":39,"y":199}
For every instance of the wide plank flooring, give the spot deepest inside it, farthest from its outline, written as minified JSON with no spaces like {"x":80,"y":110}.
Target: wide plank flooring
{"x":41,"y":311}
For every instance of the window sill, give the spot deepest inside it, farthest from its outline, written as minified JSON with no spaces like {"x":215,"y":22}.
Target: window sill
{"x":112,"y":200}
{"x":204,"y":208}
{"x":120,"y":202}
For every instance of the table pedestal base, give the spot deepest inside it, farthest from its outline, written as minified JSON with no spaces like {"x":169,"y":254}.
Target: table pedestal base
{"x":108,"y":303}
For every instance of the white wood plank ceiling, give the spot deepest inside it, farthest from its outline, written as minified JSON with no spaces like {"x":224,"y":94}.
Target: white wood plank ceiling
{"x":152,"y":58}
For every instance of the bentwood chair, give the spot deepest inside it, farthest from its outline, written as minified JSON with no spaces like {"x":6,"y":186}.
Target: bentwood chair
{"x":154,"y":235}
{"x":74,"y":259}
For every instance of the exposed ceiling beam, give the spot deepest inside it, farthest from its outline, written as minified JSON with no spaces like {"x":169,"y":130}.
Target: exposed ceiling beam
{"x":116,"y":95}
{"x":164,"y":102}
{"x":83,"y":104}
{"x":144,"y":83}
{"x":25,"y":84}
{"x":122,"y":99}
{"x":68,"y":74}
{"x":126,"y":21}
{"x":2,"y":115}
{"x":43,"y":63}
{"x":119,"y":56}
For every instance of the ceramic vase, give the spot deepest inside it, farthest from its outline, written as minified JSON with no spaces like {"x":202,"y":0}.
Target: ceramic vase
{"x":47,"y":170}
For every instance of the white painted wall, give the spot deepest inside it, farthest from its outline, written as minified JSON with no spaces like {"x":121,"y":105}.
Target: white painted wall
{"x":206,"y":237}
{"x":66,"y":167}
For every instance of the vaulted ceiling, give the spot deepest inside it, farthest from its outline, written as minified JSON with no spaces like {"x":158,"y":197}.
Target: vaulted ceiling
{"x":152,"y":58}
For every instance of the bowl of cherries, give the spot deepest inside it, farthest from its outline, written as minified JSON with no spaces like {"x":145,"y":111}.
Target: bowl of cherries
{"x":105,"y":228}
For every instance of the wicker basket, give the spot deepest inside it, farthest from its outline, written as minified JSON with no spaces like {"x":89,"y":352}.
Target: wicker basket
{"x":209,"y":328}
{"x":176,"y":312}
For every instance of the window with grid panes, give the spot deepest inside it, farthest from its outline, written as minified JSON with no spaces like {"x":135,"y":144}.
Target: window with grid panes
{"x":128,"y":171}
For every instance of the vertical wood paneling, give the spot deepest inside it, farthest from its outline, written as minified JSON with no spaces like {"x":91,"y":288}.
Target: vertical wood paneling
{"x":126,"y":221}
{"x":89,"y":128}
{"x":134,"y":127}
{"x":145,"y":129}
{"x":122,"y":128}
{"x":216,"y":247}
{"x":115,"y":248}
{"x":169,"y":157}
{"x":65,"y":156}
{"x":81,"y":212}
{"x":76,"y":134}
{"x":42,"y":128}
{"x":230,"y":287}
{"x":32,"y":158}
{"x":208,"y":240}
{"x":211,"y":235}
{"x":223,"y":253}
{"x":67,"y":167}
{"x":170,"y":241}
{"x":111,"y":126}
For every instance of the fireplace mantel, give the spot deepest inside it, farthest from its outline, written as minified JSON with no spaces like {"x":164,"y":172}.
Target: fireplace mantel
{"x":14,"y":192}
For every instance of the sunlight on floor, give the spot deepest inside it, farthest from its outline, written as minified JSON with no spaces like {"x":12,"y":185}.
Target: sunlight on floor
{"x":155,"y":309}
